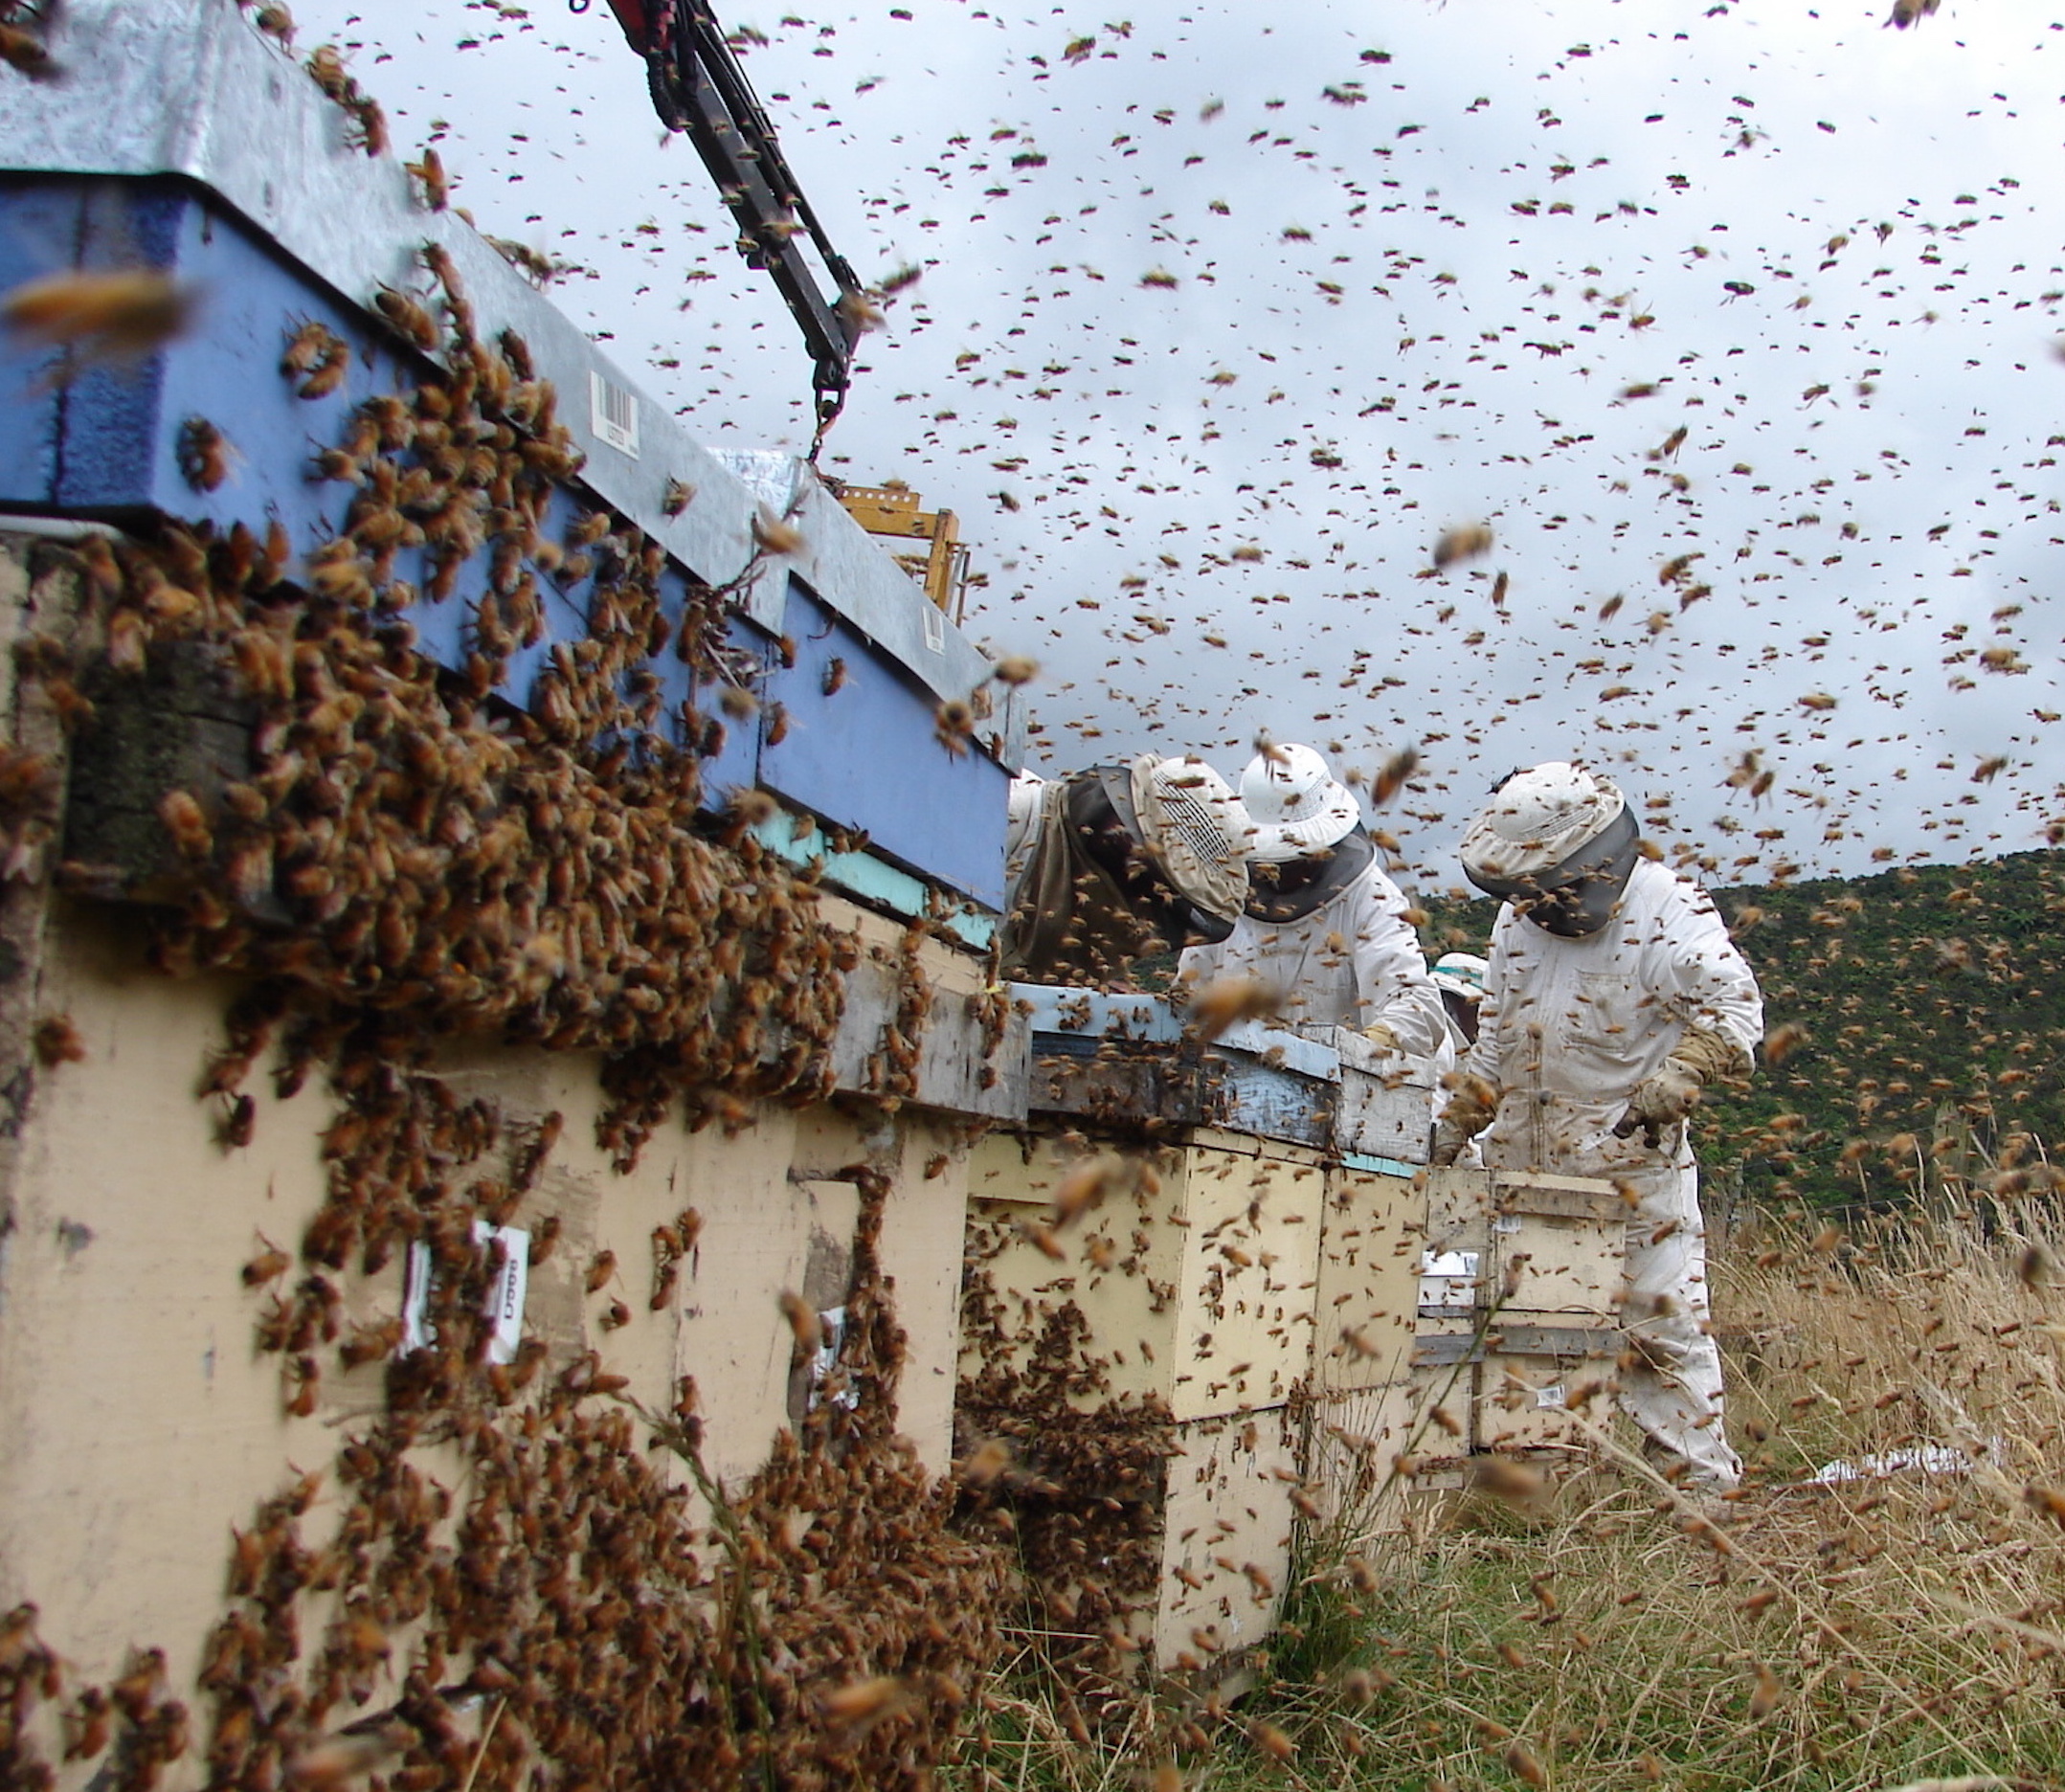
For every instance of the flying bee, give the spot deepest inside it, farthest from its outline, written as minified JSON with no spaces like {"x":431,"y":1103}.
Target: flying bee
{"x":27,"y":53}
{"x":774,"y":534}
{"x":954,"y":725}
{"x":123,"y":313}
{"x":1392,"y":775}
{"x":1462,"y":544}
{"x":57,"y":1041}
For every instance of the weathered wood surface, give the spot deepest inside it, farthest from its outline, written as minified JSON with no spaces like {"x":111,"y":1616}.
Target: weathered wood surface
{"x":179,"y":724}
{"x":1529,"y":1338}
{"x":1128,"y":1058}
{"x":952,"y":1070}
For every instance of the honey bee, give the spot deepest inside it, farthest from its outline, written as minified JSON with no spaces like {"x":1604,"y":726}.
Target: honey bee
{"x":372,"y":122}
{"x":123,"y":314}
{"x":238,"y":1123}
{"x":804,"y":1323}
{"x":408,"y":316}
{"x":58,"y":1041}
{"x":325,"y":67}
{"x":319,"y":356}
{"x":430,"y":175}
{"x":88,"y":1725}
{"x":204,"y":454}
{"x":954,"y":725}
{"x":27,"y":53}
{"x":1783,"y":1041}
{"x":862,"y":1704}
{"x":186,"y":824}
{"x":1462,"y":544}
{"x":1392,"y":776}
{"x":277,"y":23}
{"x":775,"y":534}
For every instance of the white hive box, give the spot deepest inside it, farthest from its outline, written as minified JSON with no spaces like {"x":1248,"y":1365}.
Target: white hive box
{"x":1205,"y":1299}
{"x":1518,"y":1302}
{"x":1545,"y":1244}
{"x":1369,"y":1261}
{"x":1353,"y":1443}
{"x":1228,"y":1523}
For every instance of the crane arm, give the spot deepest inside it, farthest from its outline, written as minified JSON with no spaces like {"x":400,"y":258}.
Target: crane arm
{"x":698,"y":87}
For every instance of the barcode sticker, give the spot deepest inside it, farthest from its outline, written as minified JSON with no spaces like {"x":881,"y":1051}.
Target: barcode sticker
{"x":935,"y":627}
{"x":613,"y":414}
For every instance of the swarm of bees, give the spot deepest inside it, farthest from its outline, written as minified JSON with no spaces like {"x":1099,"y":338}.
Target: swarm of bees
{"x":1074,"y":1487}
{"x":448,"y":864}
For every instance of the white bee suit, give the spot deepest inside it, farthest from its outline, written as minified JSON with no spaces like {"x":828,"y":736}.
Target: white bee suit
{"x":1569,"y":1027}
{"x":1353,"y":961}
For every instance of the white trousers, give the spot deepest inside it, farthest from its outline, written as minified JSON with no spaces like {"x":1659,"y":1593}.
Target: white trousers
{"x":1669,"y":1381}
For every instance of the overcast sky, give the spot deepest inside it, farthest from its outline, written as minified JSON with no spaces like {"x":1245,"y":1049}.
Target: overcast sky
{"x":1222,"y":322}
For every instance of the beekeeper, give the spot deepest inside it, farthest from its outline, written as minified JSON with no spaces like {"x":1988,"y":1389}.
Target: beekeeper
{"x":1324,"y":930}
{"x":1459,"y":976}
{"x":1108,"y":864}
{"x":1613,"y":997}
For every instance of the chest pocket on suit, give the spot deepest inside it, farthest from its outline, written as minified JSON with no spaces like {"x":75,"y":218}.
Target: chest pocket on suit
{"x":1606,"y":1014}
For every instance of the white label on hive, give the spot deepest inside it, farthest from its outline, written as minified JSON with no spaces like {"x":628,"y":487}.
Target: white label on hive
{"x":505,"y":1304}
{"x":1551,"y":1397}
{"x":506,"y":1294}
{"x":1448,"y":1279}
{"x":613,"y":414}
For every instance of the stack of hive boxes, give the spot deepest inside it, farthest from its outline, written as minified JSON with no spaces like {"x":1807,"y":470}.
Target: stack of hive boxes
{"x":1243,"y":1277}
{"x":1518,"y":1305}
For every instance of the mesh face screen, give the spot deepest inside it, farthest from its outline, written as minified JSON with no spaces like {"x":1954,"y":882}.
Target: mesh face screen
{"x":1197,"y":824}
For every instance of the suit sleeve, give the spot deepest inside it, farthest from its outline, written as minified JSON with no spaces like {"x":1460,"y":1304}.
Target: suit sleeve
{"x":1717,"y":989}
{"x":1392,"y":980}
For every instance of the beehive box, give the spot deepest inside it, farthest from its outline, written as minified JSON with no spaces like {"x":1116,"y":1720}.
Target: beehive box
{"x":1446,"y":1353}
{"x":1368,"y":1278}
{"x":1353,"y":1444}
{"x":1545,"y":1244}
{"x":1528,"y":1378}
{"x":1228,"y":1523}
{"x":1518,"y":1303}
{"x":1125,"y":1060}
{"x":237,"y":177}
{"x":1186,"y":1305}
{"x":1386,"y":1102}
{"x":1195,"y":1285}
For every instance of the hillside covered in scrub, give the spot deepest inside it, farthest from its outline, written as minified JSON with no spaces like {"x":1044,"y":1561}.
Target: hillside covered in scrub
{"x":1916,"y":1029}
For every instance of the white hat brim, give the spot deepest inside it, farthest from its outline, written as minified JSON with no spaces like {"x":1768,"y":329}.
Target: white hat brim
{"x":1280,"y":842}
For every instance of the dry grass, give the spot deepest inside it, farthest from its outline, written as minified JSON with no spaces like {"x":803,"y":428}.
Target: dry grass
{"x":1896,"y":1630}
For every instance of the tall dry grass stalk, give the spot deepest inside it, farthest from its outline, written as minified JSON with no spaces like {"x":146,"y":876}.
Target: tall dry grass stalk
{"x":1895,"y":1629}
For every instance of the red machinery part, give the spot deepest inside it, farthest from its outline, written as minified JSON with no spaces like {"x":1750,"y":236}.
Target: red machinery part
{"x":631,"y":14}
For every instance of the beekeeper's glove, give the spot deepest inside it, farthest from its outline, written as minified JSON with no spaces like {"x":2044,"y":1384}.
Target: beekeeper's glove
{"x":1471,"y":1107}
{"x":1661,"y":1101}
